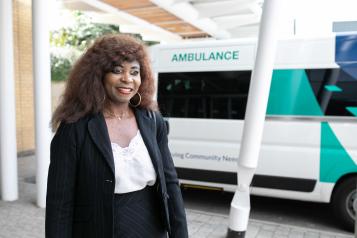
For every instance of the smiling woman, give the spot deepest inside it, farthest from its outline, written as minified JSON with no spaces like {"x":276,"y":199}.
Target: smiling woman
{"x":111,"y":173}
{"x":123,"y":82}
{"x":85,"y":93}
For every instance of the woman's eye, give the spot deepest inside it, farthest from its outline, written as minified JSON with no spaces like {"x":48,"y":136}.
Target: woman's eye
{"x":117,"y":70}
{"x":134,"y":73}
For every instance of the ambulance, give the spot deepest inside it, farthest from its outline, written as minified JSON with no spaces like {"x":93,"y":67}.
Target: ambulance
{"x":309,"y":146}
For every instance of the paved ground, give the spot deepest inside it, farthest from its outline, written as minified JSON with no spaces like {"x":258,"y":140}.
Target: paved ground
{"x":22,"y":219}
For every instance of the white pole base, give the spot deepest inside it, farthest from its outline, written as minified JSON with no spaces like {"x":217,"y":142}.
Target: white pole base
{"x":239,"y":212}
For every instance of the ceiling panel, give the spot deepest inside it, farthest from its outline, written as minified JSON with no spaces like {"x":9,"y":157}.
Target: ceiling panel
{"x":150,"y":12}
{"x":220,"y":19}
{"x":129,"y":4}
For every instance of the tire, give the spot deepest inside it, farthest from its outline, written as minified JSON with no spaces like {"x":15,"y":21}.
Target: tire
{"x":342,"y":203}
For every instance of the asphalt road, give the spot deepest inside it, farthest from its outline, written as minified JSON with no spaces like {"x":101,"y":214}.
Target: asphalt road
{"x":304,"y":214}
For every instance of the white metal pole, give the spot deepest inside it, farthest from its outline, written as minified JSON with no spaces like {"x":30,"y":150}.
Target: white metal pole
{"x":42,"y":92}
{"x":255,"y":117}
{"x":8,"y":150}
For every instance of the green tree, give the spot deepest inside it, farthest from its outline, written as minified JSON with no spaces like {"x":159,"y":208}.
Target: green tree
{"x":68,"y":43}
{"x":60,"y":67}
{"x":82,"y":33}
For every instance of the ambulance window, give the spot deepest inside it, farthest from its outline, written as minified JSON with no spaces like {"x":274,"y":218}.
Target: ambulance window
{"x":218,"y":95}
{"x":334,"y":89}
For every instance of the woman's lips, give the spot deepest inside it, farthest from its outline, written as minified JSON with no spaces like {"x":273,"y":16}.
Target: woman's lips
{"x":123,"y":90}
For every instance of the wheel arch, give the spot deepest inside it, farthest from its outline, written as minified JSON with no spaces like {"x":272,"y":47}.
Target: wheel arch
{"x":340,"y":181}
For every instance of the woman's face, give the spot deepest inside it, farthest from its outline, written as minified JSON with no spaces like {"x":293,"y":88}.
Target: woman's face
{"x":123,"y":82}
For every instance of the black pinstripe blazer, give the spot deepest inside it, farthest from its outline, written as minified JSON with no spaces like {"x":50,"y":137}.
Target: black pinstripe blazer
{"x":80,"y":187}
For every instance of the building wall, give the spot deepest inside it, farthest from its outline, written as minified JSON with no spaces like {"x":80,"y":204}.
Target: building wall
{"x":23,"y":75}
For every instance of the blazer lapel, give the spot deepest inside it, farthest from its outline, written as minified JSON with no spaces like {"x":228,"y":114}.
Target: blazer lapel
{"x":99,"y":132}
{"x":148,"y":133}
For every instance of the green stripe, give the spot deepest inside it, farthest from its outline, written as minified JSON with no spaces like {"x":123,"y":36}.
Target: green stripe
{"x":352,"y":110}
{"x":334,"y":159}
{"x":333,"y":88}
{"x":291,"y":94}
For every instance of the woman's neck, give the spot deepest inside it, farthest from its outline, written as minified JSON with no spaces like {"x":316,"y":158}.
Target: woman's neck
{"x":119,"y":111}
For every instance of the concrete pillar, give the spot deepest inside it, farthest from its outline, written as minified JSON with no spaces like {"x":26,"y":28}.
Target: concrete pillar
{"x":255,"y":117}
{"x":42,"y":88}
{"x":8,"y":151}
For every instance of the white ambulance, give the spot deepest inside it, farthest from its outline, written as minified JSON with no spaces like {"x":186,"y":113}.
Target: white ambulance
{"x":309,"y":147}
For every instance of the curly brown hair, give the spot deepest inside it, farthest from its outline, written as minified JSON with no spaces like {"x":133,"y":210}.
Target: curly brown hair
{"x":85,"y":93}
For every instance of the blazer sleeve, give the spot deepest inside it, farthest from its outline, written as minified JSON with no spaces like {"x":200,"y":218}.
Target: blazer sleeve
{"x":61,"y":183}
{"x":177,"y":214}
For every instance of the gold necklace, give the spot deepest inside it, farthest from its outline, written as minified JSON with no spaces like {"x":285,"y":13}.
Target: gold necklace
{"x":112,"y":114}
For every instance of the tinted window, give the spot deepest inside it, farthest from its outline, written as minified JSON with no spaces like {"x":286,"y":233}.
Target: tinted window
{"x":223,"y":95}
{"x":220,"y":95}
{"x":335,"y":89}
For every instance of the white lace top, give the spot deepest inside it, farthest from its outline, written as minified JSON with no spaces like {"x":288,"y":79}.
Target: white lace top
{"x":133,"y":167}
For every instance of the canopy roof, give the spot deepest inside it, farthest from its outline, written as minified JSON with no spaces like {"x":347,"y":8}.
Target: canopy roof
{"x":172,"y":20}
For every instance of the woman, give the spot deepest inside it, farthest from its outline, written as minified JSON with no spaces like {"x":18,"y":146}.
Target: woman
{"x":111,"y":173}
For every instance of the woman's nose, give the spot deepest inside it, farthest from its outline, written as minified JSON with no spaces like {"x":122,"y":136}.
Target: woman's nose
{"x":126,"y":77}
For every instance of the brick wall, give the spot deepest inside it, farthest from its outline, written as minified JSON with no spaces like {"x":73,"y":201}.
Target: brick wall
{"x":23,"y":75}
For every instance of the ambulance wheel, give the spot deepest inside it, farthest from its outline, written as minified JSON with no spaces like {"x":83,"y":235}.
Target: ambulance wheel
{"x":342,"y":203}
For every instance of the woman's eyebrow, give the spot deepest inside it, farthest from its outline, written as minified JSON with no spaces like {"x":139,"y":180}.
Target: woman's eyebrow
{"x":135,"y":67}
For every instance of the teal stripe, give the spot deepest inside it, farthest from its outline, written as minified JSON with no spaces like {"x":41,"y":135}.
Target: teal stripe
{"x":291,"y":94}
{"x":333,"y":88}
{"x":334,"y":159}
{"x":352,"y":110}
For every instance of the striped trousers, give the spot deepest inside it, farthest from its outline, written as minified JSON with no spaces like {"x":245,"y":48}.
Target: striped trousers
{"x":137,"y":215}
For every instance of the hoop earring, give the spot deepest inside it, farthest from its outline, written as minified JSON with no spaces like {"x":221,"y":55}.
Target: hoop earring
{"x":139,"y":101}
{"x":103,"y":101}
